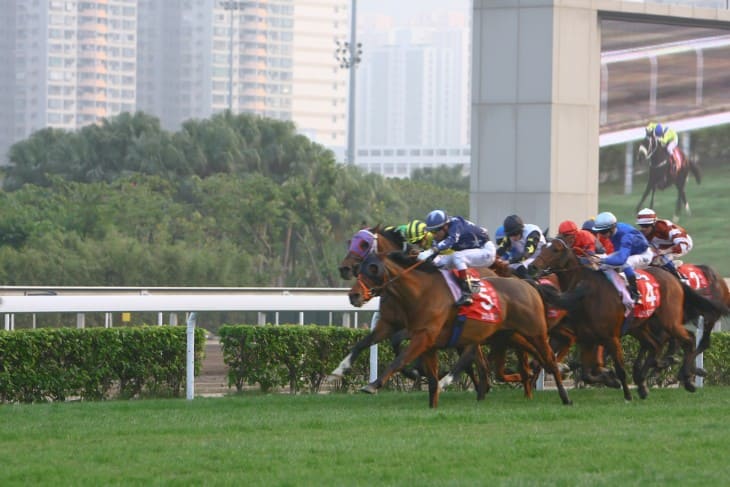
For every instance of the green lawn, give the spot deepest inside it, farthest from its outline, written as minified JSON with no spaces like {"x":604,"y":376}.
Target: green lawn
{"x":709,"y":224}
{"x":672,"y":438}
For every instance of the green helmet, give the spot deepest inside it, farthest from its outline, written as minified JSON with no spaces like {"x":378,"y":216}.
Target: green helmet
{"x":415,"y":231}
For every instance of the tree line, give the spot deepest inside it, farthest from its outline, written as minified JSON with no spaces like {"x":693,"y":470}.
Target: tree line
{"x":233,"y":200}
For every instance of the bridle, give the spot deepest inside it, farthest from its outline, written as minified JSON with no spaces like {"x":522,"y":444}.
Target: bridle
{"x":370,"y":292}
{"x":573,"y":264}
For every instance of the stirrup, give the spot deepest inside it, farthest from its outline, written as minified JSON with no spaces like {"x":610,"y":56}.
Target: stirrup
{"x":464,"y":300}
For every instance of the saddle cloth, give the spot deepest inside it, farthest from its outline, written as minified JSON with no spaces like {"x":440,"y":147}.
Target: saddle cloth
{"x":695,"y":278}
{"x":486,"y":306}
{"x":648,"y":287}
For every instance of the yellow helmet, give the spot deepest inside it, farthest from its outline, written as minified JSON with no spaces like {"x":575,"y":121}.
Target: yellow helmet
{"x":415,"y":231}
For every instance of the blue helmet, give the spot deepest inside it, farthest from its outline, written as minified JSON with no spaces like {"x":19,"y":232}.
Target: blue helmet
{"x":499,"y":233}
{"x":658,"y":130}
{"x":436,"y":219}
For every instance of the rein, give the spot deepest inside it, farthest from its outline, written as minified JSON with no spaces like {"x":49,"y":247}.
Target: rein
{"x":371,"y":292}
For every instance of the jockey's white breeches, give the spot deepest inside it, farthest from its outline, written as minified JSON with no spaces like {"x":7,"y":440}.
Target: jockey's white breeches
{"x":461,"y":259}
{"x":641,"y":261}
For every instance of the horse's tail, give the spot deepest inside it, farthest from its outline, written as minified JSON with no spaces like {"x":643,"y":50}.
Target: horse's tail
{"x":694,"y":166}
{"x":569,"y":300}
{"x":696,"y":305}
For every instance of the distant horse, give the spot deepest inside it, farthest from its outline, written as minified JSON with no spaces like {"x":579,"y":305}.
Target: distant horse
{"x":662,"y":173}
{"x":391,"y":322}
{"x":598,"y":314}
{"x":424,"y":294}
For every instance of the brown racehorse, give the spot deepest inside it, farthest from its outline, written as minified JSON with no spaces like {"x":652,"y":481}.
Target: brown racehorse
{"x":598,"y":314}
{"x":391,"y":322}
{"x":428,"y":303}
{"x":662,"y":174}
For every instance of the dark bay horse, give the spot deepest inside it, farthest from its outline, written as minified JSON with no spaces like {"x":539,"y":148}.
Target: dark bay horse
{"x":392,"y":320}
{"x":662,"y":173}
{"x":598,"y":315}
{"x":422,"y":291}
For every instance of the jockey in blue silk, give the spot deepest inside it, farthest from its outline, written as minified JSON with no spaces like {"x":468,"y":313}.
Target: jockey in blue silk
{"x":470,"y":244}
{"x":631,"y":249}
{"x":520,"y":244}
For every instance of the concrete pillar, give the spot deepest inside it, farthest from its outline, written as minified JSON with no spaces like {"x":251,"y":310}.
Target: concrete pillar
{"x":535,"y":108}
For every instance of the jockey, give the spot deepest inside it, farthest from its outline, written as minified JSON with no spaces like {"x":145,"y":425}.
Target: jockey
{"x":668,"y":139}
{"x":415,"y":233}
{"x":470,"y":243}
{"x":632,"y":249}
{"x":520,"y":244}
{"x":581,"y":241}
{"x":669,"y":240}
{"x":603,"y":243}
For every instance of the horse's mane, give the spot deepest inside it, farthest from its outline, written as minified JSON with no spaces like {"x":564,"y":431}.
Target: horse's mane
{"x":405,"y":260}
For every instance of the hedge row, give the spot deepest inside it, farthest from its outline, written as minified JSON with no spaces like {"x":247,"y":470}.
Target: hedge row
{"x":301,"y":357}
{"x":94,"y":363}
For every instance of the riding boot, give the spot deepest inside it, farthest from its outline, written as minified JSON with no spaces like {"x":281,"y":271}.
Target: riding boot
{"x":633,"y":289}
{"x":669,"y":267}
{"x":463,"y":281}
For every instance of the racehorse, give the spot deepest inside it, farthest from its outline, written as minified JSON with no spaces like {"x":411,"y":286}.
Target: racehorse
{"x":598,"y":314}
{"x":425,"y":297}
{"x":662,"y":173}
{"x":391,"y":323}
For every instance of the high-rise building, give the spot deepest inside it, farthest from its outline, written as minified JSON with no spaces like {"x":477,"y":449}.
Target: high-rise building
{"x":66,"y":64}
{"x":69,"y":63}
{"x":274,"y":58}
{"x":413,"y":95}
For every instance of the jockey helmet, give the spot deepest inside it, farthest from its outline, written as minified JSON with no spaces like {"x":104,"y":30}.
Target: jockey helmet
{"x":604,"y":221}
{"x":436,"y":219}
{"x":513,"y":225}
{"x":415,"y":231}
{"x":658,"y":130}
{"x":647,"y":216}
{"x":588,"y":224}
{"x":568,"y":227}
{"x":499,"y":234}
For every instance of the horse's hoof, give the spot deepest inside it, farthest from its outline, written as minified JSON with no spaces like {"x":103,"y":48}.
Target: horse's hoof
{"x":689,"y":386}
{"x":369,"y":389}
{"x":700,"y":371}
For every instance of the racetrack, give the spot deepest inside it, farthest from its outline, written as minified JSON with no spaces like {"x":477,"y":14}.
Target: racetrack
{"x":672,"y":438}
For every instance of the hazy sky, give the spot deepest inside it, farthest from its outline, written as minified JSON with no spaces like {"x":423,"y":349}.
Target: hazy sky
{"x":402,"y":10}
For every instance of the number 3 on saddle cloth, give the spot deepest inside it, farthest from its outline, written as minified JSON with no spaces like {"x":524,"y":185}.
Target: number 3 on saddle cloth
{"x":486,"y":306}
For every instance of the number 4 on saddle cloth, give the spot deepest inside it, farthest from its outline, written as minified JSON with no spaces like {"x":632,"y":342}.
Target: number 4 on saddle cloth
{"x":648,"y":287}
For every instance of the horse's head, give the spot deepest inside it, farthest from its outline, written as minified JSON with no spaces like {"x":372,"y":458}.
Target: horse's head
{"x":647,"y":148}
{"x":554,"y":256}
{"x":368,"y":241}
{"x":370,"y":280}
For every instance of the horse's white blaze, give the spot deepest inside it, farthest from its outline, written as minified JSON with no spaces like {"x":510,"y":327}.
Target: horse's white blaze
{"x":643,"y":151}
{"x":447,"y":380}
{"x":344,"y":366}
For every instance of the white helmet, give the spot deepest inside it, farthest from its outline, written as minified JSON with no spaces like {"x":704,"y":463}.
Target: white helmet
{"x":647,"y":216}
{"x":604,"y":221}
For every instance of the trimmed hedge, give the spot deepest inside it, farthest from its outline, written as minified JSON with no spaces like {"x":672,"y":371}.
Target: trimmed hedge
{"x":301,"y":357}
{"x":94,"y":363}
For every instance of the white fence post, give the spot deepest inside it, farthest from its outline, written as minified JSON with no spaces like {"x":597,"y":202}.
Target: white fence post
{"x":190,"y":358}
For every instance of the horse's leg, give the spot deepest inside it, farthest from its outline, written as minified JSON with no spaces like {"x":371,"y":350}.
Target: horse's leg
{"x":483,"y":386}
{"x":379,"y":333}
{"x":430,"y":367}
{"x":547,"y":358}
{"x":419,"y":343}
{"x":414,"y":372}
{"x":470,"y":355}
{"x":616,"y":352}
{"x":646,"y":192}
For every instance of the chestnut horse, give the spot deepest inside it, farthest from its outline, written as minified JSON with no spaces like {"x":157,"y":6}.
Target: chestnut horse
{"x":391,"y":322}
{"x":598,"y":315}
{"x":427,"y":302}
{"x":662,"y":175}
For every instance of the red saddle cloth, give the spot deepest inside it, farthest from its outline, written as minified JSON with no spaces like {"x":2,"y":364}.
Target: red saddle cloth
{"x":678,"y":161}
{"x":695,"y":277}
{"x":553,"y":313}
{"x":650,"y":295}
{"x":486,"y":306}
